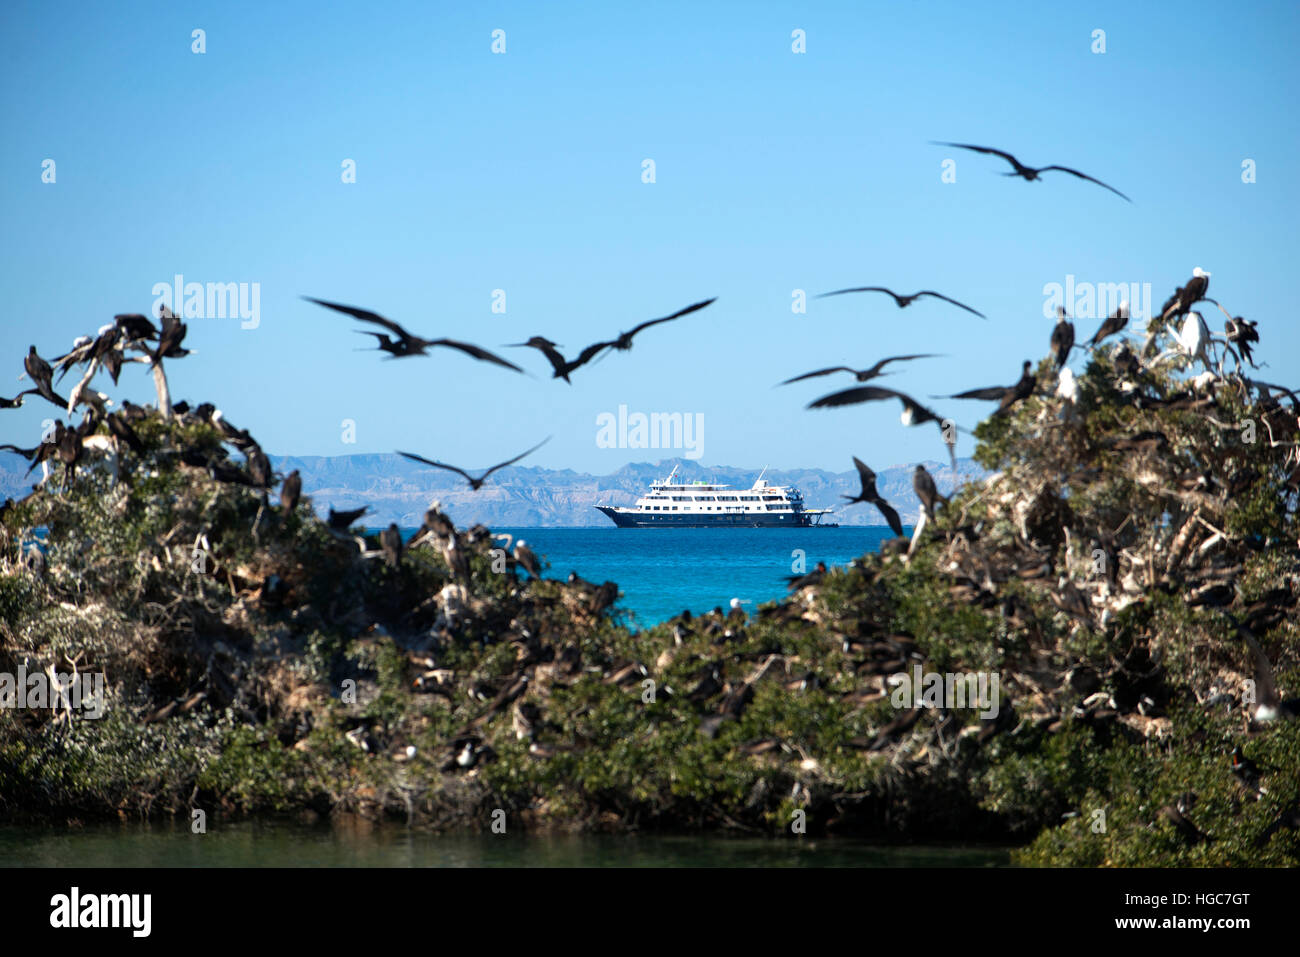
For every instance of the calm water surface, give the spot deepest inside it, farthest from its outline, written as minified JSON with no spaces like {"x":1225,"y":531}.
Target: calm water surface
{"x":284,"y":845}
{"x":662,"y":571}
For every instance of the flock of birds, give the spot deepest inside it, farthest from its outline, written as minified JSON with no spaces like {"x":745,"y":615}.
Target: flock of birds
{"x":135,"y":338}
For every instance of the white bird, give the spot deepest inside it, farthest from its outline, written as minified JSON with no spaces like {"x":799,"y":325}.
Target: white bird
{"x":1067,"y":387}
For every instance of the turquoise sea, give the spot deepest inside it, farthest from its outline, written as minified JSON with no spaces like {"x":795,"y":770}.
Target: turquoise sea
{"x":662,"y":571}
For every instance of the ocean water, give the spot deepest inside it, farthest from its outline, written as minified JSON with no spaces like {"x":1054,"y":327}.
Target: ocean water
{"x":662,"y":571}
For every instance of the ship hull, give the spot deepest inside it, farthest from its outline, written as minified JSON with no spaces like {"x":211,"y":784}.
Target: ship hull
{"x":630,"y":518}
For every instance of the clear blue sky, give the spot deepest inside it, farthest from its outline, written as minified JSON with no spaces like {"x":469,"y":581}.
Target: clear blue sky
{"x":522,"y":172}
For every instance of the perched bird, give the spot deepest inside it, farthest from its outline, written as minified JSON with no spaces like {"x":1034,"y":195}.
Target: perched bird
{"x":474,"y":483}
{"x":170,"y":339}
{"x":259,"y":468}
{"x":624,"y":340}
{"x":1246,"y":772}
{"x":525,"y":557}
{"x":1067,"y":386}
{"x":1030,"y":173}
{"x":390,"y":540}
{"x":926,"y":490}
{"x":862,"y":375}
{"x":407,"y":344}
{"x":869,"y":494}
{"x":135,"y":326}
{"x":1241,"y":333}
{"x":1006,"y":396}
{"x":342,"y":521}
{"x":291,"y":491}
{"x":1113,"y":324}
{"x":1186,"y":296}
{"x":39,"y":371}
{"x":1062,"y":337}
{"x":1269,"y":704}
{"x":905,"y":301}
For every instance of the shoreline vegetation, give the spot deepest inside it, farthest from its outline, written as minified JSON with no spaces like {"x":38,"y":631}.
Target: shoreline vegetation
{"x":1123,"y":571}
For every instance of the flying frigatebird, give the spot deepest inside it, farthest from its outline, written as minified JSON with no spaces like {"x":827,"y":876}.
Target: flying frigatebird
{"x":862,"y":375}
{"x":914,"y":413}
{"x":474,"y":483}
{"x":407,"y":344}
{"x":546,"y":347}
{"x":1029,"y":173}
{"x":904,"y":301}
{"x":869,"y":494}
{"x":1005,"y":396}
{"x":624,"y":340}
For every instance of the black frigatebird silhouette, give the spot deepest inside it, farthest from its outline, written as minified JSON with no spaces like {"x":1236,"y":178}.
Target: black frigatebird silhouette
{"x":1005,"y":396}
{"x":549,"y":349}
{"x":1062,"y":337}
{"x":862,"y":375}
{"x":869,"y":494}
{"x":914,"y":413}
{"x":39,"y":371}
{"x":407,"y":344}
{"x":16,"y":401}
{"x":291,"y":491}
{"x":342,"y":521}
{"x":474,"y":483}
{"x":926,"y":490}
{"x":624,"y":340}
{"x":1029,"y":173}
{"x":390,"y":540}
{"x":904,"y":301}
{"x":1186,"y":296}
{"x":1113,"y":324}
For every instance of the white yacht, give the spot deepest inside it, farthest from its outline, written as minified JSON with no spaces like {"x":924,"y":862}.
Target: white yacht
{"x":704,"y":505}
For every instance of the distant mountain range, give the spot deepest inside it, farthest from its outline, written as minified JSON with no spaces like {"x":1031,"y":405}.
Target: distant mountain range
{"x":397,"y":490}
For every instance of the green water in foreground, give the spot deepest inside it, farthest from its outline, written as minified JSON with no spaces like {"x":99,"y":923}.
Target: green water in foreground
{"x":281,"y":845}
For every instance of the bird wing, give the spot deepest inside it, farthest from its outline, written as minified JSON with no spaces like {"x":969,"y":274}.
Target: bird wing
{"x":875,"y":369}
{"x":477,"y":352}
{"x":990,"y":394}
{"x":588,"y":353}
{"x":694,"y":307}
{"x":818,"y":372}
{"x":1075,"y":172}
{"x":365,"y":315}
{"x":891,"y":516}
{"x":840,"y":292}
{"x":867,"y":476}
{"x":516,"y":458}
{"x":862,"y":393}
{"x":438,"y":465}
{"x":985,"y":149}
{"x":962,"y":305}
{"x":1267,"y":685}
